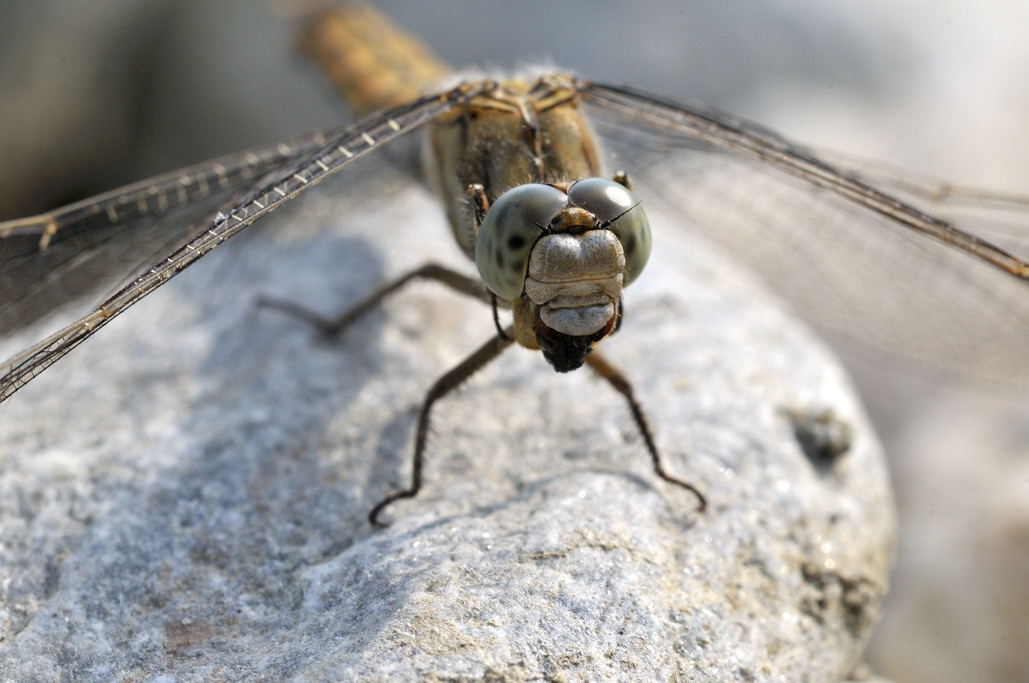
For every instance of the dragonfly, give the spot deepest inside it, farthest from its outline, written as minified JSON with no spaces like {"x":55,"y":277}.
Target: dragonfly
{"x":971,"y":325}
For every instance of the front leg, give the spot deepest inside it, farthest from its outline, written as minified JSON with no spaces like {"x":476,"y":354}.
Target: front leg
{"x":599,"y":363}
{"x":443,"y":386}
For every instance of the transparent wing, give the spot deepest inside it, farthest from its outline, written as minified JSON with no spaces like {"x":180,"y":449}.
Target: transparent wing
{"x":868,"y":254}
{"x":55,"y":257}
{"x":51,"y":260}
{"x":924,"y":273}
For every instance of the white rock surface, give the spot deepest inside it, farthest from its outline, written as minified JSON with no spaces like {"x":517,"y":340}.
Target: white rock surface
{"x":186,"y":494}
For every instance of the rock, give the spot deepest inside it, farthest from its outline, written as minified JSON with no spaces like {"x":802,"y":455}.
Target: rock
{"x":187,"y":493}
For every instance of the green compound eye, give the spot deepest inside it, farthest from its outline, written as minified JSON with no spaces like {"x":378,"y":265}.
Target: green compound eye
{"x":509,"y":232}
{"x":519,"y":216}
{"x":617,"y":210}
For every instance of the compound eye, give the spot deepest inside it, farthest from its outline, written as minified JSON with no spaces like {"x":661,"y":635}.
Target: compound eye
{"x":619,"y":211}
{"x":510,"y":230}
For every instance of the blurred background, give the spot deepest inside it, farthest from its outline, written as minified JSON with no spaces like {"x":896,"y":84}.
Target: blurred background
{"x":98,"y":94}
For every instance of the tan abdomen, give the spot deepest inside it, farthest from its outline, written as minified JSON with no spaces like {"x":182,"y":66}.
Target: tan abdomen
{"x":372,"y":63}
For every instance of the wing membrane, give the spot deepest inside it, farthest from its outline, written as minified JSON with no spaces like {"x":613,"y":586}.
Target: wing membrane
{"x":115,"y":223}
{"x":872,"y":256}
{"x":867,"y":255}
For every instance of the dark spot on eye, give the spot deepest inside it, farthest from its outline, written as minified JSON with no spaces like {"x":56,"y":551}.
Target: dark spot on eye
{"x":515,"y":242}
{"x":499,"y":258}
{"x":629,"y":244}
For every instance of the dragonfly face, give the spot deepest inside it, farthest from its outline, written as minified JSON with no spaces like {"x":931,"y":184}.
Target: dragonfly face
{"x":562,"y":255}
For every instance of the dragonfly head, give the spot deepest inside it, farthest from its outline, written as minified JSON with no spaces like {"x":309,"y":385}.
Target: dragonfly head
{"x":562,"y":253}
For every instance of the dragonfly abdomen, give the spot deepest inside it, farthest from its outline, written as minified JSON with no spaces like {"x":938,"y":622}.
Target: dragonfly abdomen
{"x":372,"y":63}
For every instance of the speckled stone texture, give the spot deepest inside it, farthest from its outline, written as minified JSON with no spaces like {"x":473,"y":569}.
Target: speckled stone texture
{"x":186,"y":494}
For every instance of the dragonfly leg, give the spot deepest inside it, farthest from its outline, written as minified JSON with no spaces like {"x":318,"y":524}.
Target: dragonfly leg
{"x":616,"y":379}
{"x":495,"y":303}
{"x":334,"y":326}
{"x":443,"y":386}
